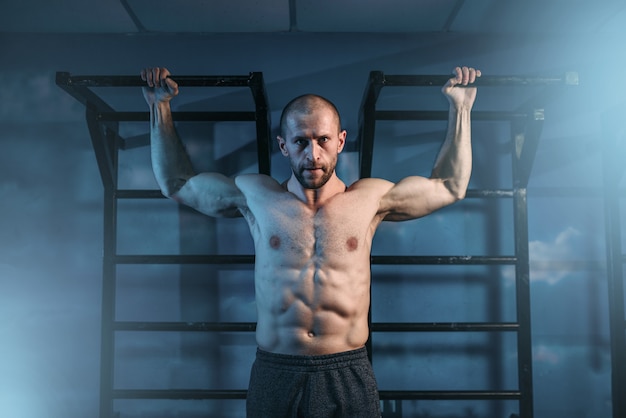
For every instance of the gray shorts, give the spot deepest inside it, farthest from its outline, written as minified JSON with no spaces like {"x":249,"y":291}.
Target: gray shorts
{"x":338,"y":385}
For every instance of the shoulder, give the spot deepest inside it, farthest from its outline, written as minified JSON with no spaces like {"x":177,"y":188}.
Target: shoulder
{"x":252,"y":180}
{"x":258,"y":185}
{"x":371,"y":185}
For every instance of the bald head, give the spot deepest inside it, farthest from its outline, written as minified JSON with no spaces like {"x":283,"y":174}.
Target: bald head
{"x":306,"y":105}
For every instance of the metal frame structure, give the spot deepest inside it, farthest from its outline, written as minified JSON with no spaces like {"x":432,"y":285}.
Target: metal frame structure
{"x":526,"y":125}
{"x":613,"y":147}
{"x":103,"y":123}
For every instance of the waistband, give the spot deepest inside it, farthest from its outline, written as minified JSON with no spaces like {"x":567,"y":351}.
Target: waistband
{"x":312,"y":363}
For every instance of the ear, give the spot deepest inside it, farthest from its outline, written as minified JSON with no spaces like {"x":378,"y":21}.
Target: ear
{"x":281,"y":145}
{"x":342,"y":140}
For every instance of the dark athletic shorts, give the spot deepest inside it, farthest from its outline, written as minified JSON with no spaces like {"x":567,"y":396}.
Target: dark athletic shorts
{"x":338,"y":385}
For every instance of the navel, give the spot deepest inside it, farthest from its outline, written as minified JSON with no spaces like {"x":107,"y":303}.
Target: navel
{"x":275,"y":242}
{"x":352,"y":243}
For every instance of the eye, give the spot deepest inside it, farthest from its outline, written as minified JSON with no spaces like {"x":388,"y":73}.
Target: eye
{"x":324,"y":139}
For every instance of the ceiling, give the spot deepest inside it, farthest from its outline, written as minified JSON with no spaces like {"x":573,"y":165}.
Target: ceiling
{"x":560,"y":17}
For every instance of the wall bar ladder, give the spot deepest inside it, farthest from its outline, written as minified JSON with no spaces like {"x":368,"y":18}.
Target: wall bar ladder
{"x":526,"y":124}
{"x":103,"y":122}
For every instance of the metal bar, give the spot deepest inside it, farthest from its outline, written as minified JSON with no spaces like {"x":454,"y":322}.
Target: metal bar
{"x":449,"y":395}
{"x":107,"y":337}
{"x":483,"y":193}
{"x":103,"y":150}
{"x":263,"y":123}
{"x":569,"y":78}
{"x":133,"y":16}
{"x":367,"y":123}
{"x":430,"y":115}
{"x":81,"y":93}
{"x":437,"y":260}
{"x":236,"y":116}
{"x":526,"y":141}
{"x":522,"y":283}
{"x":199,"y":394}
{"x":444,"y":326}
{"x":293,"y":16}
{"x":185,"y":259}
{"x":181,"y":394}
{"x":65,"y":79}
{"x":139,"y":194}
{"x":452,"y":16}
{"x":185,"y":326}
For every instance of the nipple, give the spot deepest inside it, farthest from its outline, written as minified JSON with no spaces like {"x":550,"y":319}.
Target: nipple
{"x":352,"y":243}
{"x":275,"y":242}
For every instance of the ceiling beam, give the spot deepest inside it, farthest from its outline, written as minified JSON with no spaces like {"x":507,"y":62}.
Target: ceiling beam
{"x":452,"y":16}
{"x":293,"y":16}
{"x":131,"y":13}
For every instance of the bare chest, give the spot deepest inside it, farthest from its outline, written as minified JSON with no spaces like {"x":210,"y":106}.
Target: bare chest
{"x":339,"y":229}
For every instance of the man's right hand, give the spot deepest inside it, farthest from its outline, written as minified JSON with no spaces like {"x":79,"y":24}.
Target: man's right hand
{"x":160,"y":88}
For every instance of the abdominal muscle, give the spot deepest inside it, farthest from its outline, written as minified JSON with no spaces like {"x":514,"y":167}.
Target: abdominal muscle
{"x":312,"y":310}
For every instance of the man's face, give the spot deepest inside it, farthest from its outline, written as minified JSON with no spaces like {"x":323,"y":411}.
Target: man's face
{"x":312,"y":143}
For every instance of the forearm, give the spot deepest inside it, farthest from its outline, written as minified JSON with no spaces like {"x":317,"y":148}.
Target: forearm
{"x":170,"y":162}
{"x":454,"y":162}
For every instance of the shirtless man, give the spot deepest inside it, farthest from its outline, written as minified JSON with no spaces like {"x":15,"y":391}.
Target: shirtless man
{"x":312,"y":236}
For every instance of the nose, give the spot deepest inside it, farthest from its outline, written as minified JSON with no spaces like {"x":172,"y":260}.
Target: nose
{"x":312,"y":151}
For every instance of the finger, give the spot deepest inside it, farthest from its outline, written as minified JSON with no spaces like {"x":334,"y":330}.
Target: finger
{"x":472,"y":75}
{"x":163,"y":73}
{"x":458,"y":77}
{"x":146,"y":75}
{"x":150,"y":76}
{"x":465,"y":76}
{"x":475,"y":74}
{"x":166,"y":82}
{"x":171,"y":86}
{"x":163,"y":77}
{"x":156,"y":73}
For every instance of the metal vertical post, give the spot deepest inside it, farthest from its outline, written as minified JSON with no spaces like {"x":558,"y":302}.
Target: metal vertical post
{"x":367,"y":123}
{"x":263,"y":123}
{"x":108,"y":146}
{"x":522,"y":286}
{"x":524,"y":146}
{"x":107,"y":343}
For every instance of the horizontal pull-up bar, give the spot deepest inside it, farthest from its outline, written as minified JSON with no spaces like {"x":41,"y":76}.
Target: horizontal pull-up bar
{"x":569,"y":78}
{"x":64,"y":78}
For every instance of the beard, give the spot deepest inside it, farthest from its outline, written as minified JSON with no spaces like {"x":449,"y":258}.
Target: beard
{"x":313,"y":182}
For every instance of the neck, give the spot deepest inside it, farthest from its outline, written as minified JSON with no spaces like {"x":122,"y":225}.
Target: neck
{"x":315,"y":198}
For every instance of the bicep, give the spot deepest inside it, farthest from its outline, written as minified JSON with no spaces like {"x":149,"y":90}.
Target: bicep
{"x":213,"y":194}
{"x":414,"y":197}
